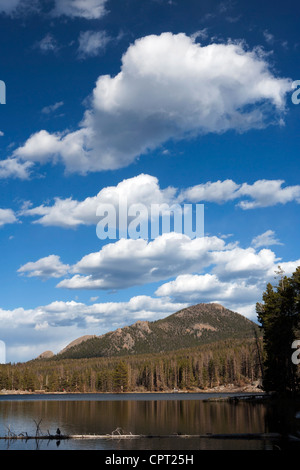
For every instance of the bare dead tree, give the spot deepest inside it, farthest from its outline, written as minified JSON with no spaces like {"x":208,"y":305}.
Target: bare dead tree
{"x":38,"y":431}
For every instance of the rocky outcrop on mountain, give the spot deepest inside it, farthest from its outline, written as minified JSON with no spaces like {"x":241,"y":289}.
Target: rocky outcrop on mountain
{"x":192,"y":326}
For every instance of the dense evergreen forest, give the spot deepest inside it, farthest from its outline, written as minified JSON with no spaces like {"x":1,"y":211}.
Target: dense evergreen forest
{"x":235,"y":362}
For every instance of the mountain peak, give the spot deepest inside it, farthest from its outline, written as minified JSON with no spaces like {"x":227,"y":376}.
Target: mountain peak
{"x":192,"y":326}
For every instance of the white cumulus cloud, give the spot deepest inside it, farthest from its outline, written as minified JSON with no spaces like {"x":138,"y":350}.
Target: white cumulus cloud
{"x":218,"y":191}
{"x":267,"y":193}
{"x":145,"y":189}
{"x":208,"y":288}
{"x":126,"y":263}
{"x":7,"y":216}
{"x":13,"y":168}
{"x":70,"y":213}
{"x":265,"y":239}
{"x":169,"y":87}
{"x":262,"y":193}
{"x":48,"y":267}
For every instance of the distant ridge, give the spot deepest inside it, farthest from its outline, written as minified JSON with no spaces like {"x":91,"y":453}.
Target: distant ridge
{"x":77,"y":341}
{"x":46,"y":355}
{"x":193,"y":326}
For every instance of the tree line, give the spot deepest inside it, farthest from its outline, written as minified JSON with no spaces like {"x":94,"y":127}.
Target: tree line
{"x":228,"y":362}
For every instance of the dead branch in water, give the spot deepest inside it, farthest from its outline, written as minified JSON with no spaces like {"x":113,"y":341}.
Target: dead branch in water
{"x":38,"y":434}
{"x":38,"y":431}
{"x":119,"y":434}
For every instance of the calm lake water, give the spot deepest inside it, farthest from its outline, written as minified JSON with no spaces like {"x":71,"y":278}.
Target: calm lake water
{"x":148,"y":414}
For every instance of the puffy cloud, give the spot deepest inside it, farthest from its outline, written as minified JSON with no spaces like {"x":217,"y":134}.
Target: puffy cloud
{"x":208,"y":288}
{"x":264,"y":193}
{"x":39,"y":147}
{"x":219,"y":192}
{"x":7,"y":216}
{"x":12,"y":168}
{"x":48,"y":267}
{"x":267,"y":193}
{"x":43,"y":147}
{"x":243,"y":263}
{"x":128,"y":262}
{"x":143,"y":189}
{"x":169,"y":87}
{"x":265,"y":239}
{"x":135,"y":262}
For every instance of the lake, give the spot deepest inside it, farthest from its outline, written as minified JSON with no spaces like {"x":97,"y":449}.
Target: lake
{"x":147,"y":414}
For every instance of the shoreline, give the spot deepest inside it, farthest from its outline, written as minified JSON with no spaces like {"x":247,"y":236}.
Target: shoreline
{"x":230,"y":389}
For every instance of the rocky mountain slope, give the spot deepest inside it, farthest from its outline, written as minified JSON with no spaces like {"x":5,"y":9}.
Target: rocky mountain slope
{"x":192,"y":326}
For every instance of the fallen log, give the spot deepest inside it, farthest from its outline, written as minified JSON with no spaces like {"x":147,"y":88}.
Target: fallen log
{"x":246,"y":436}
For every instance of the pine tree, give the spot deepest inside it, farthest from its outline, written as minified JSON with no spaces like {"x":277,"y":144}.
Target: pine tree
{"x":29,"y":380}
{"x":120,"y":377}
{"x":279,"y":316}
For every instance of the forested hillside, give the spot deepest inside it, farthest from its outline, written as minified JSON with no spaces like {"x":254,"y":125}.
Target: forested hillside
{"x":225,"y":362}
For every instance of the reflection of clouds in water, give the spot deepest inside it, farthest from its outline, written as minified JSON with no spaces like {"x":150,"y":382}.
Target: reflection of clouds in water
{"x":2,"y":352}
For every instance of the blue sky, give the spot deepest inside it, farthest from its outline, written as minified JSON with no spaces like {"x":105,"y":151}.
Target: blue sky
{"x":157,"y":102}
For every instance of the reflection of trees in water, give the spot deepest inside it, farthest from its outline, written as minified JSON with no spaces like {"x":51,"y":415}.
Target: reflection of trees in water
{"x":163,"y":417}
{"x":281,"y":416}
{"x":145,"y":417}
{"x":197,"y":417}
